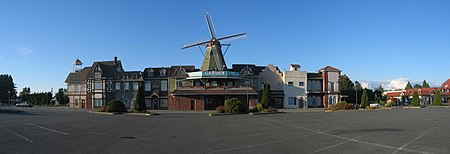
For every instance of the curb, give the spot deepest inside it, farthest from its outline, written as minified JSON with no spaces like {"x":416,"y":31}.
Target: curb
{"x":412,"y":107}
{"x":261,"y":113}
{"x":220,"y":114}
{"x":140,"y":114}
{"x":104,"y":113}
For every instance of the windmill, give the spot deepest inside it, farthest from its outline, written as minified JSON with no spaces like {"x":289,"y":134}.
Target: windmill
{"x":213,"y":58}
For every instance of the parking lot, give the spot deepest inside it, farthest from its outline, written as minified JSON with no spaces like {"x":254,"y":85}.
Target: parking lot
{"x":62,"y":130}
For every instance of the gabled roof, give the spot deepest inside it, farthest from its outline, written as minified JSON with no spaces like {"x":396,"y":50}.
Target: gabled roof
{"x":78,"y":76}
{"x":329,"y":69}
{"x":109,"y":68}
{"x":239,"y":67}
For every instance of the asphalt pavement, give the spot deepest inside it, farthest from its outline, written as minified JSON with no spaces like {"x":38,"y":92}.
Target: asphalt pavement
{"x":65,"y":130}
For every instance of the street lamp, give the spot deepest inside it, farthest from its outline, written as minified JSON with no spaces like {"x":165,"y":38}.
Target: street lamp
{"x":356,"y":89}
{"x":9,"y":99}
{"x":432,"y":97}
{"x":247,"y":82}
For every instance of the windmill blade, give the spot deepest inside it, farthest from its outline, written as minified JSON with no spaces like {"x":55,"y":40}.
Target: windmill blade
{"x":225,"y":44}
{"x":235,"y":36}
{"x":195,"y":44}
{"x":210,"y":27}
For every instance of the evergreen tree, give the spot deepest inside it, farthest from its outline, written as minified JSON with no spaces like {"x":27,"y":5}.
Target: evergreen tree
{"x":7,"y":88}
{"x":345,"y":83}
{"x":265,"y":98}
{"x":358,"y":85}
{"x":417,"y":86}
{"x":437,"y":101}
{"x":408,"y":86}
{"x":415,"y":100}
{"x":364,"y":99}
{"x":425,"y":84}
{"x":139,"y":105}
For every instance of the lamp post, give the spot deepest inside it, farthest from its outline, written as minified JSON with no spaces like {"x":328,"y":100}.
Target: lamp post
{"x":9,"y":99}
{"x":356,"y":97}
{"x":247,"y":85}
{"x":432,"y":98}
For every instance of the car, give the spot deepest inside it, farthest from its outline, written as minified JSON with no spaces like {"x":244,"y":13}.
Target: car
{"x":24,"y":104}
{"x":374,"y":105}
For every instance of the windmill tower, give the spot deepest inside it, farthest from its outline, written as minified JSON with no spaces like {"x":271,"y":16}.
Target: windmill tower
{"x":77,"y":65}
{"x":213,"y":58}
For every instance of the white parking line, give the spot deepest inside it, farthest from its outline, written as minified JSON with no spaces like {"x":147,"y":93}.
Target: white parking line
{"x":341,"y":143}
{"x":345,"y":138}
{"x":26,"y":139}
{"x":52,"y":130}
{"x":407,"y":143}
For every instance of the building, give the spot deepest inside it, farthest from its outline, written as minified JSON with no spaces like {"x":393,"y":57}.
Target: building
{"x":188,"y":88}
{"x":426,"y":95}
{"x":323,"y":87}
{"x":295,"y":87}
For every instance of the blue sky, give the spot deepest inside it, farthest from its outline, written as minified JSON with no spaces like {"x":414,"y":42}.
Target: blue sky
{"x":372,"y":41}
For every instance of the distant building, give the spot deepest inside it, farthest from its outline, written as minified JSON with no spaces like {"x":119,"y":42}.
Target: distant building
{"x":426,"y":95}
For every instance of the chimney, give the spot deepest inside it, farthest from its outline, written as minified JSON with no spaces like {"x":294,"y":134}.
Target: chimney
{"x":115,"y":60}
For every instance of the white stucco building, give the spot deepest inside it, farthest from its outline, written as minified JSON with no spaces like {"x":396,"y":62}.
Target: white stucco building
{"x":294,"y":87}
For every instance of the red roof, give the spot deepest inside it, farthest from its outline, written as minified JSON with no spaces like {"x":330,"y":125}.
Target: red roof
{"x":329,"y":68}
{"x":446,"y":84}
{"x":393,"y":94}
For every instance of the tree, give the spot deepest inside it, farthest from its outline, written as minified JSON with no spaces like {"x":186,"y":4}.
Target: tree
{"x":266,"y":96}
{"x":139,"y":105}
{"x":379,"y":88}
{"x":415,"y":100}
{"x":408,"y":86}
{"x":60,"y":96}
{"x":417,"y":86}
{"x":425,"y":84}
{"x":437,"y":101}
{"x":25,"y":91}
{"x":358,"y":85}
{"x":345,"y":83}
{"x":364,"y":99}
{"x":7,"y":88}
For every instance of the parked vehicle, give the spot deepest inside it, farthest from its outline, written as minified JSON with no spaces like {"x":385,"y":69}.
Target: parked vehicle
{"x":24,"y":104}
{"x":374,"y":105}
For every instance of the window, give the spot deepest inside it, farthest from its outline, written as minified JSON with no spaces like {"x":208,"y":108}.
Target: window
{"x":301,"y":84}
{"x":162,"y":72}
{"x":148,"y":103}
{"x":290,"y":83}
{"x":163,"y":85}
{"x":135,"y":85}
{"x":117,"y":86}
{"x":163,"y":103}
{"x":126,"y":85}
{"x":98,"y":102}
{"x":150,"y":72}
{"x":292,"y":101}
{"x":98,"y":85}
{"x":98,"y":75}
{"x":148,"y":85}
{"x":214,"y":83}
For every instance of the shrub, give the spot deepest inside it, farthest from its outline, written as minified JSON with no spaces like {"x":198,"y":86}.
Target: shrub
{"x":116,"y":106}
{"x":234,"y":106}
{"x":220,"y":109}
{"x":259,"y":107}
{"x":342,"y":102}
{"x":389,"y":104}
{"x":102,"y":109}
{"x":342,"y":106}
{"x":415,"y":100}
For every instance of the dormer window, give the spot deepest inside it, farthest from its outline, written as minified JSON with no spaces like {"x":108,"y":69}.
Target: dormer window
{"x":134,"y":76}
{"x":246,"y":71}
{"x":181,"y":71}
{"x":125,"y":76}
{"x":162,"y":72}
{"x":117,"y":77}
{"x":150,"y":72}
{"x":119,"y":69}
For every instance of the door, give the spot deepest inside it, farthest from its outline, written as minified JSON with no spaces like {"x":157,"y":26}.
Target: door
{"x":155,"y":104}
